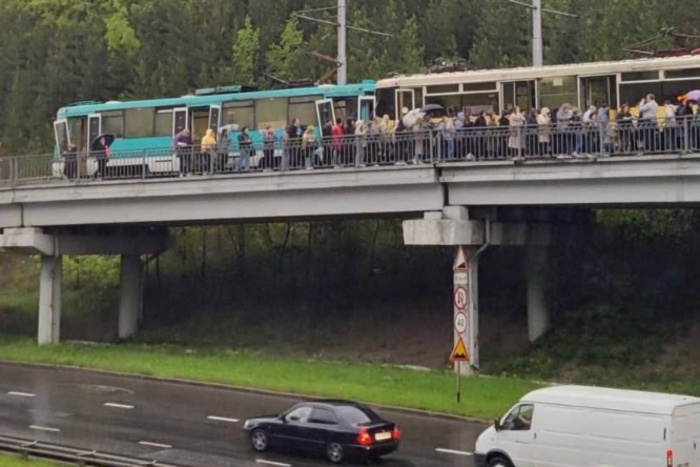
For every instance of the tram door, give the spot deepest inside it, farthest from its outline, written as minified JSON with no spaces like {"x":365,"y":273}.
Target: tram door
{"x":62,"y":135}
{"x":214,"y":118}
{"x":325,"y":112}
{"x":94,"y":129}
{"x":522,"y":94}
{"x":405,"y":98}
{"x":180,"y":120}
{"x":366,"y":108}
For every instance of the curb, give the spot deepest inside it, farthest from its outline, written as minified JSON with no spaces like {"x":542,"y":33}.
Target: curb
{"x":231,"y":387}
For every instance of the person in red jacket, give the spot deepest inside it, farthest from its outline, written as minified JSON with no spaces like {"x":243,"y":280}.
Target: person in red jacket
{"x":338,"y":153}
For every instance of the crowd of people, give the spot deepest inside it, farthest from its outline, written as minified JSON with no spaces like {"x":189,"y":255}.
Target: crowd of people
{"x":419,"y":137}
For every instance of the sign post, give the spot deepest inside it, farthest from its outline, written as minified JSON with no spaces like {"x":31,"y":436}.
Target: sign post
{"x":466,"y":317}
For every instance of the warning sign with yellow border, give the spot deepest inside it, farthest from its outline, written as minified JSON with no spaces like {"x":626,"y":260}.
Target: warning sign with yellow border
{"x":460,"y":353}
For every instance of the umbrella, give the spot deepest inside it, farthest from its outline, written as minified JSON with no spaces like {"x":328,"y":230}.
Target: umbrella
{"x":109,"y":139}
{"x":410,"y":118}
{"x":692,"y":96}
{"x":433,"y":108}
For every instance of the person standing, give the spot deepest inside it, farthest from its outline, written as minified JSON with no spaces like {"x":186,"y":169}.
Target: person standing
{"x":223,"y":150}
{"x":625,"y":124}
{"x":670,"y":127}
{"x":563,"y":143}
{"x":648,"y":125}
{"x":182,"y":143}
{"x":208,"y":150}
{"x":544,"y":131}
{"x":310,"y":146}
{"x":338,"y":133}
{"x":245,"y":145}
{"x":269,"y":139}
{"x":293,"y":144}
{"x":517,"y":133}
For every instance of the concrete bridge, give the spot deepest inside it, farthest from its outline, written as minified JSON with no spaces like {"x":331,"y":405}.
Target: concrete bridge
{"x":474,"y":204}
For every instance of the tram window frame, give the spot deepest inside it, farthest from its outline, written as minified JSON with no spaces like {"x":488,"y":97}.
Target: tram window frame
{"x":636,"y":76}
{"x":134,"y":129}
{"x":111,"y":117}
{"x":682,"y":75}
{"x":568,"y":82}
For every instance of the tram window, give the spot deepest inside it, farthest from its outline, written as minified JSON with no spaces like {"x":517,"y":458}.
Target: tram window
{"x":640,"y":76}
{"x":557,"y":91}
{"x":451,"y":104}
{"x":443,"y":89}
{"x":164,"y":123}
{"x":138,"y":123}
{"x":272,"y":112}
{"x":304,"y":108}
{"x":680,"y":74}
{"x":671,"y":90}
{"x":241,"y":113}
{"x":632,"y":94}
{"x":478,"y":102}
{"x":113,"y":123}
{"x":472,"y":87}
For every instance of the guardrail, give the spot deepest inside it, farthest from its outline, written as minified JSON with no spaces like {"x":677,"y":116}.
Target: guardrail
{"x":82,"y":457}
{"x":442,"y":144}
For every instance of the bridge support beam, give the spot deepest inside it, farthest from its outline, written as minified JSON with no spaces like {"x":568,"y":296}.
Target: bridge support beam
{"x":50,"y":300}
{"x":454,"y":227}
{"x":130,"y":296}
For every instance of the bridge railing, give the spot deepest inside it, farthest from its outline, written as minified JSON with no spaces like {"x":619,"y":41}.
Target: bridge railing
{"x":441,"y":144}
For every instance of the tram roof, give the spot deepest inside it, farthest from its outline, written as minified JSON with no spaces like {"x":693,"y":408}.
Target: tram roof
{"x":507,"y":74}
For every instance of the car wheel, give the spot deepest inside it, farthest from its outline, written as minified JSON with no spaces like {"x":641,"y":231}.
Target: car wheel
{"x":335,"y":453}
{"x":498,"y":461}
{"x":259,"y":440}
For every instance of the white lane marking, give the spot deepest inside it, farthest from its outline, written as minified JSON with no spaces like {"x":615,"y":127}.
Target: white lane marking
{"x":21,"y":394}
{"x":44,"y":428}
{"x":155,"y":445}
{"x":118,"y":406}
{"x":222,"y":419}
{"x":278,"y":464}
{"x":452,"y":451}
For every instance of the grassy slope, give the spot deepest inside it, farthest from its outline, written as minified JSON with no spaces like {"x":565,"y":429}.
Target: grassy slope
{"x":14,"y":461}
{"x":435,"y":391}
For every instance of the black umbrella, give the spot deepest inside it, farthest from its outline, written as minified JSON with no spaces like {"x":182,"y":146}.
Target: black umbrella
{"x":109,"y":139}
{"x":432,"y":108}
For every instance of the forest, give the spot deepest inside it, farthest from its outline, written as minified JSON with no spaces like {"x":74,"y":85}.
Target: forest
{"x":56,"y":52}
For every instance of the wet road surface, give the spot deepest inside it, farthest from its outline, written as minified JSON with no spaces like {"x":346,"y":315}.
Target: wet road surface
{"x":187,"y":425}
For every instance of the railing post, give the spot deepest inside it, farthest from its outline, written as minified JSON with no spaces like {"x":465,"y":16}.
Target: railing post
{"x":143,"y":165}
{"x":601,"y":142}
{"x":686,"y":135}
{"x":521,"y":140}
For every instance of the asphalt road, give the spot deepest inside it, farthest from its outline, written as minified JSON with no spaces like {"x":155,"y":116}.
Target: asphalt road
{"x":184,"y":424}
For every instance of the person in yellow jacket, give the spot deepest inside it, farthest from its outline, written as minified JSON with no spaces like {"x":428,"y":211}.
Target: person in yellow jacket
{"x":209,"y":141}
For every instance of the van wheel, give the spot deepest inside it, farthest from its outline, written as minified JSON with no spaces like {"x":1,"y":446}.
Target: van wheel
{"x":499,"y":461}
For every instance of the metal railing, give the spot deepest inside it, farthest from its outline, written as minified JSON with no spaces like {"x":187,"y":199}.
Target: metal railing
{"x":441,"y":144}
{"x":82,"y":457}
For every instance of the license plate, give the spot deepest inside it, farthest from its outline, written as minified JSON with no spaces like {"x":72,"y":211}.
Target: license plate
{"x":383,"y":436}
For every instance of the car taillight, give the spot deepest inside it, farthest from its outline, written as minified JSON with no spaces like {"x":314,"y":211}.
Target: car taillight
{"x":669,"y":458}
{"x":364,"y":439}
{"x":396,"y":434}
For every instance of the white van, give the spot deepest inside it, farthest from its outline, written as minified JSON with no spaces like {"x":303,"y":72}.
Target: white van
{"x":594,"y":427}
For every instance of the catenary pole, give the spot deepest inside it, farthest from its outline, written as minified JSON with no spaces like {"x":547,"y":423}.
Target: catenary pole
{"x":342,"y":43}
{"x":537,"y":45}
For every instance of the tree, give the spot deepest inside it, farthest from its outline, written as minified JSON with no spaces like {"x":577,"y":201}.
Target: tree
{"x":283,"y":58}
{"x":245,"y":53}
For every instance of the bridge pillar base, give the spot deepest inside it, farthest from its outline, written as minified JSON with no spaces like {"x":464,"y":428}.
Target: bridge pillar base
{"x":130,"y":296}
{"x":50,"y":300}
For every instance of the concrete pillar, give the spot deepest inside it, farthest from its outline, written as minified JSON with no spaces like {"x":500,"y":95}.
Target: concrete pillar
{"x":129,"y":296}
{"x":538,"y":320}
{"x":50,"y":300}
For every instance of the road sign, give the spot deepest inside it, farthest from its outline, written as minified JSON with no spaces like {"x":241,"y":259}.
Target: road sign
{"x":460,"y":323}
{"x":460,"y":354}
{"x":460,"y":298}
{"x":461,"y":263}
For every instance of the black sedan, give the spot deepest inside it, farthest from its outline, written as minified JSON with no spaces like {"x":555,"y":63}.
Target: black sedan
{"x":338,"y":429}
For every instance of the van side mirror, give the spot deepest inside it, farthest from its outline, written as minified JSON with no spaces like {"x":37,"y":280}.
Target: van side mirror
{"x":497,"y":425}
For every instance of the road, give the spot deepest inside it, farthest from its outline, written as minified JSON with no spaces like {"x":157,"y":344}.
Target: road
{"x":185,"y":424}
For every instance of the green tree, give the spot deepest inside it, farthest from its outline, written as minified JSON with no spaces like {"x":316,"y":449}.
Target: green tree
{"x":284,"y":58}
{"x":245,"y":53}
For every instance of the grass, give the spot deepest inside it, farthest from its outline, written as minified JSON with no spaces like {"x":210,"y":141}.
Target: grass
{"x":482,"y":398}
{"x":15,"y":461}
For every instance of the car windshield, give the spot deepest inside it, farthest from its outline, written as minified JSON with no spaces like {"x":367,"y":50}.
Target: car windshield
{"x":357,"y":415}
